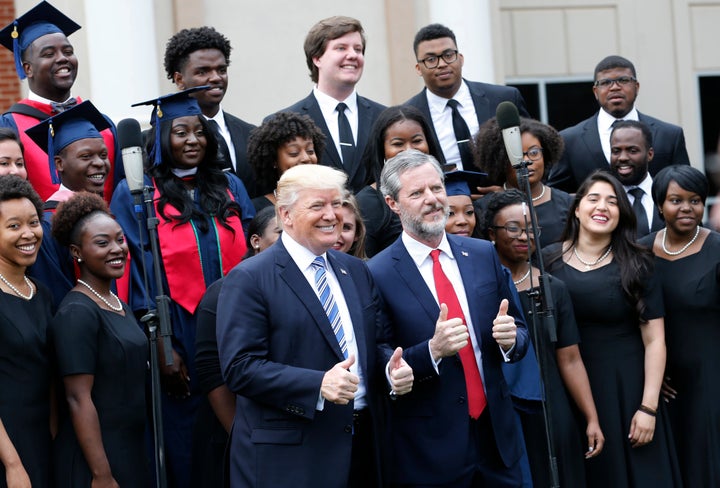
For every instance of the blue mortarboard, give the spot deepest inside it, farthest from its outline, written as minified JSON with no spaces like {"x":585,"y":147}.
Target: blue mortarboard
{"x":54,"y":134}
{"x":169,"y":107}
{"x":461,"y":182}
{"x":39,"y":21}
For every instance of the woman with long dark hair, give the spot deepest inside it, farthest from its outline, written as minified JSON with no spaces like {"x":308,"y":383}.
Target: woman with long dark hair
{"x":202,"y":214}
{"x":619,"y":310}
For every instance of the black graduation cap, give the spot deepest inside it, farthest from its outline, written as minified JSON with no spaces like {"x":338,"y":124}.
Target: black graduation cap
{"x":462,"y":182}
{"x":169,"y":107}
{"x":39,"y":21}
{"x":54,"y":134}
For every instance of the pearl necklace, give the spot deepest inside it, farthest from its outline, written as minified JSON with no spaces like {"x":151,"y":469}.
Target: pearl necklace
{"x":682,"y":249}
{"x":17,"y":292}
{"x":117,"y":308}
{"x":534,"y":199}
{"x":525,"y":276}
{"x":594,"y":263}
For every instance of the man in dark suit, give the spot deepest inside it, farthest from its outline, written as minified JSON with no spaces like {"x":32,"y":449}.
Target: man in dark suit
{"x":440,"y":65}
{"x":631,"y":154}
{"x":335,"y":56}
{"x":451,"y":310}
{"x":201,"y":56}
{"x":587,"y":144}
{"x":298,"y":329}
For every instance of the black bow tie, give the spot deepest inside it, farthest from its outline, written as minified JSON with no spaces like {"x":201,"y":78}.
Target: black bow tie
{"x":61,"y":107}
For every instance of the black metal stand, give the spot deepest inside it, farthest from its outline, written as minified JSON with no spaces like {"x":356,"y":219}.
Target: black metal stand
{"x":546,"y":330}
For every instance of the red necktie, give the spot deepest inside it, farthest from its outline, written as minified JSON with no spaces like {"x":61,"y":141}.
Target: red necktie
{"x":473,"y":380}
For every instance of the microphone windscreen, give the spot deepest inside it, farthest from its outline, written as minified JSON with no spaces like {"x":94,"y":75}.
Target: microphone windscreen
{"x":129,"y":133}
{"x":507,"y":115}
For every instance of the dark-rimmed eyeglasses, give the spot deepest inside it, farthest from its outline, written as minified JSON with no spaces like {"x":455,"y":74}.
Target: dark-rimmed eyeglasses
{"x":514,"y":230}
{"x":621,"y":81}
{"x":534,"y":153}
{"x":432,"y":61}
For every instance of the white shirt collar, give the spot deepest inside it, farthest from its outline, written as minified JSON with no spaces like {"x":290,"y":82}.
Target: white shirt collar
{"x":419,"y":252}
{"x":301,"y":255}
{"x":605,"y":120}
{"x":37,"y":98}
{"x":438,"y":104}
{"x":219,"y":117}
{"x":328,"y":104}
{"x":645,"y":185}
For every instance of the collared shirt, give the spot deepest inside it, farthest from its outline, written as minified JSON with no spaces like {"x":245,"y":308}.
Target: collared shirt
{"x":219,"y":118}
{"x":605,"y":122}
{"x":37,"y":98}
{"x":647,"y":201}
{"x":328,"y":107}
{"x":441,"y":116}
{"x":420,"y":254}
{"x":303,"y":258}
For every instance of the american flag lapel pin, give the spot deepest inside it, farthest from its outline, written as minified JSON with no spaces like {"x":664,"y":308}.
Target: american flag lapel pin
{"x":464,"y":253}
{"x":343,"y":271}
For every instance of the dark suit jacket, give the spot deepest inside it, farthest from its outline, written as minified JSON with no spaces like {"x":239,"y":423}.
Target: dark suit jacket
{"x":486,"y":97}
{"x":368,"y":111}
{"x":583,"y":151}
{"x":275,"y":344}
{"x":240,"y":132}
{"x":430,"y":425}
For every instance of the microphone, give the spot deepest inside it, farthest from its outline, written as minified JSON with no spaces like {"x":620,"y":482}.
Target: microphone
{"x":130,"y":140}
{"x":508,"y":119}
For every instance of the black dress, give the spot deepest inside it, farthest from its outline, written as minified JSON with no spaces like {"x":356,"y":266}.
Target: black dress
{"x":552,"y":215}
{"x":25,"y":376}
{"x":567,"y":438}
{"x":613,"y":352}
{"x":112,"y":348}
{"x":382,"y":225}
{"x":691,"y":286}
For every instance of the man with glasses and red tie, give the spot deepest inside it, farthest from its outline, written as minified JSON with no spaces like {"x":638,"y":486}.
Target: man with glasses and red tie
{"x":455,"y":107}
{"x":587,"y":144}
{"x":453,"y":313}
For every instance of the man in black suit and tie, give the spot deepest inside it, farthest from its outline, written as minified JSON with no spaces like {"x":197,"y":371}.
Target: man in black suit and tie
{"x":455,"y":107}
{"x":631,"y":154}
{"x":587,"y":144}
{"x":335,"y":55}
{"x":201,"y":56}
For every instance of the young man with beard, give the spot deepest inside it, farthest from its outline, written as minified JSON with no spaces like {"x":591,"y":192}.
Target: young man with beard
{"x":335,"y":56}
{"x":201,"y":56}
{"x":631,"y":154}
{"x":47,"y":59}
{"x":587,"y":144}
{"x":452,"y":311}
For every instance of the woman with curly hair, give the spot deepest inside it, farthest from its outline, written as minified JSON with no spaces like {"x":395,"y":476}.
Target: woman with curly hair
{"x":202,"y":213}
{"x":25,"y":357}
{"x":284,"y":140}
{"x":619,"y":309}
{"x":101,"y":354}
{"x":542,"y":146}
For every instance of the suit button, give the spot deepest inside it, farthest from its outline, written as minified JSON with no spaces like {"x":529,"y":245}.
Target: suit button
{"x":461,"y":400}
{"x":348,"y":429}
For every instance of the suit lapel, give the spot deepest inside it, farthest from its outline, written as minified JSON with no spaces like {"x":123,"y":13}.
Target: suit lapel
{"x":593,"y":146}
{"x":425,"y":109}
{"x":409,"y":273}
{"x":481,"y":103}
{"x":466,"y":265}
{"x":237,"y":136}
{"x":330,"y":155}
{"x":294,"y":278}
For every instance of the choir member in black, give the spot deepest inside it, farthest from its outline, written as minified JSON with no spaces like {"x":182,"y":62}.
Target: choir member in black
{"x":619,"y":310}
{"x":396,"y":129}
{"x":687,"y":263}
{"x":505,"y":223}
{"x":25,"y":364}
{"x":542,"y":146}
{"x":12,"y":161}
{"x":102,"y":357}
{"x":284,"y":140}
{"x":215,"y":418}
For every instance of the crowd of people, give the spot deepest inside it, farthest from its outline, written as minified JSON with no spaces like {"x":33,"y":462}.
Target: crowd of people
{"x":357,"y":295}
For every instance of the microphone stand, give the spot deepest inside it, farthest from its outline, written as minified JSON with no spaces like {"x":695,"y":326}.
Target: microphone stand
{"x":154,"y":319}
{"x":542,"y":297}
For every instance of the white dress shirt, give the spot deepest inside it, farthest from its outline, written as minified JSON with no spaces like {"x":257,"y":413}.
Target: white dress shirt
{"x":647,"y":201}
{"x":441,"y":116}
{"x":604,"y":123}
{"x":328,"y":107}
{"x":220,"y":119}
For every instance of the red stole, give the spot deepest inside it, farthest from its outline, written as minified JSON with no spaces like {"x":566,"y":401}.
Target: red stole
{"x":181,"y":256}
{"x":36,"y":160}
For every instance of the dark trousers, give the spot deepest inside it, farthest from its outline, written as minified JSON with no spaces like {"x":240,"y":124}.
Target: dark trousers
{"x":363,"y":467}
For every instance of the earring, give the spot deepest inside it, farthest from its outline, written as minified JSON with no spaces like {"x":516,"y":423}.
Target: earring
{"x":257,"y":246}
{"x":493,"y":242}
{"x":79,"y":260}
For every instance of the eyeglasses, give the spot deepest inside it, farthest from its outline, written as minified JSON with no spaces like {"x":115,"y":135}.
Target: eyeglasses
{"x":621,"y":81}
{"x":432,"y":61}
{"x":514,"y":230}
{"x":534,"y":153}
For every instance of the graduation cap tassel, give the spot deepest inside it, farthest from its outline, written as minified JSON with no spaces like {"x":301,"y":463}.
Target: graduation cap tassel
{"x":16,"y":52}
{"x":157,"y":159}
{"x":51,"y":155}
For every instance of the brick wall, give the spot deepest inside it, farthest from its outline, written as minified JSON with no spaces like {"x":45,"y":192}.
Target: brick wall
{"x":9,"y":81}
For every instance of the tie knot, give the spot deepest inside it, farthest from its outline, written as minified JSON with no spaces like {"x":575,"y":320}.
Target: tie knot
{"x":59,"y":107}
{"x":453,"y":104}
{"x":341,"y":107}
{"x":319,"y":263}
{"x":616,"y":122}
{"x":637,"y":193}
{"x":435,"y":255}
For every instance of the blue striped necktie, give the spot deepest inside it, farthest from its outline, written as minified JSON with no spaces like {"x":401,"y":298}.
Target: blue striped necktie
{"x":328,"y":302}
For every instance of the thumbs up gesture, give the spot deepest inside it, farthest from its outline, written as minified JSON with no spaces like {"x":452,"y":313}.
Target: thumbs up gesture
{"x":450,"y":336}
{"x":504,"y":328}
{"x":400,"y":372}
